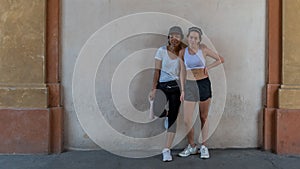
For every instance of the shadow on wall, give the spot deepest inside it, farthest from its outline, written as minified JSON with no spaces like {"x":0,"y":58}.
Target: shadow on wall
{"x":138,"y":89}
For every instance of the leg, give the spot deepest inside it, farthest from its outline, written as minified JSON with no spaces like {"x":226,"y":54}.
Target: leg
{"x":174,"y":105}
{"x":190,"y":100}
{"x":188,"y":120}
{"x":188,"y":109}
{"x":169,"y":141}
{"x":203,"y":110}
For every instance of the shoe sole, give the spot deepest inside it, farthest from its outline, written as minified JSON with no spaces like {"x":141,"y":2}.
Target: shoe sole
{"x":183,"y":155}
{"x":187,"y":155}
{"x":204,"y":157}
{"x":167,"y":160}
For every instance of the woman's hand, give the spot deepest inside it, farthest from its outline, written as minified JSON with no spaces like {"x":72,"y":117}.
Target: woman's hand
{"x":205,"y":71}
{"x":182,"y":96}
{"x":152,"y":94}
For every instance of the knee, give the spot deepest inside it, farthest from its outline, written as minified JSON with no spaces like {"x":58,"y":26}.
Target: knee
{"x":203,"y":117}
{"x":187,"y":122}
{"x":172,"y":119}
{"x":172,"y":127}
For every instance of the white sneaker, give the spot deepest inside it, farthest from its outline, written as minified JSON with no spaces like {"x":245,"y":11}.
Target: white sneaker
{"x":204,"y":152}
{"x":166,"y":123}
{"x":188,"y":151}
{"x":166,"y":155}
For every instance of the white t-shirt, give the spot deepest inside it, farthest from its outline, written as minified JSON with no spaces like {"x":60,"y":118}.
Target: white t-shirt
{"x":169,"y":67}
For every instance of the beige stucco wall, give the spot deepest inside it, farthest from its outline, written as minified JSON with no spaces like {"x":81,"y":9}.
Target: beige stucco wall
{"x":236,"y":28}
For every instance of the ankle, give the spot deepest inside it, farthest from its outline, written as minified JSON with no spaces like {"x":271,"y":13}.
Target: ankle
{"x":166,"y":149}
{"x":193,"y":145}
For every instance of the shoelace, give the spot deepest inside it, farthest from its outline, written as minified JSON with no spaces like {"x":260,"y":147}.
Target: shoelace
{"x":203,"y":150}
{"x":186,"y":149}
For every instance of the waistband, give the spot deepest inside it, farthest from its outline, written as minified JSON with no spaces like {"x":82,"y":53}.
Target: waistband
{"x":204,"y":79}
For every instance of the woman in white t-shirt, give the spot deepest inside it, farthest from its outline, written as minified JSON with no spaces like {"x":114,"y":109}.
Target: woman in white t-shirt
{"x":168,"y":70}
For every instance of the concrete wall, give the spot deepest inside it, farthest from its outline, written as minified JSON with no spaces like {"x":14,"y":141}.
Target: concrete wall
{"x":236,"y":29}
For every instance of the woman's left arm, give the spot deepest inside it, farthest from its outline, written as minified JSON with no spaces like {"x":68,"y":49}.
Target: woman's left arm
{"x":182,"y":74}
{"x":218,"y":59}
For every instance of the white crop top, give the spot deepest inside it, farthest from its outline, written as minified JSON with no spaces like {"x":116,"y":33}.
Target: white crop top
{"x":195,"y":61}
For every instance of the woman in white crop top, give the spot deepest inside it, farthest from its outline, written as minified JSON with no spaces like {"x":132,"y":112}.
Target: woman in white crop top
{"x":197,"y":88}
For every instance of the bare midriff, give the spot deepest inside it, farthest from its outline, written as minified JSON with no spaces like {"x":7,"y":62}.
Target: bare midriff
{"x":195,"y":74}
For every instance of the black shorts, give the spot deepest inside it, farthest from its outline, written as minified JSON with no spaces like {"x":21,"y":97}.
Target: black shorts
{"x":197,"y":90}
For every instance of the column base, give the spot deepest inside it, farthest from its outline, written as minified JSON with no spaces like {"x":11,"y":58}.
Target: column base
{"x":287,"y":133}
{"x":269,"y":129}
{"x":57,"y":126}
{"x":24,"y":131}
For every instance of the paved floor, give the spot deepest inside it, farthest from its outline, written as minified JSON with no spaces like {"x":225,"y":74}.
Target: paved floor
{"x":220,"y":159}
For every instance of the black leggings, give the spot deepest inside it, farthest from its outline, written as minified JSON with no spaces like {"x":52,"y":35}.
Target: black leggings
{"x":160,"y":100}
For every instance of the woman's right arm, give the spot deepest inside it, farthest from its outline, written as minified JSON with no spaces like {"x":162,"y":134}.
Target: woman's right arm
{"x":155,"y":77}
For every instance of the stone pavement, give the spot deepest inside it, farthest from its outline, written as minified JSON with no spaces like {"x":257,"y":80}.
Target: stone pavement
{"x":220,"y":159}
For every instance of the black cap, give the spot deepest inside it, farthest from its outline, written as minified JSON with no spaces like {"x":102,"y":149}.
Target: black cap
{"x":176,"y":29}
